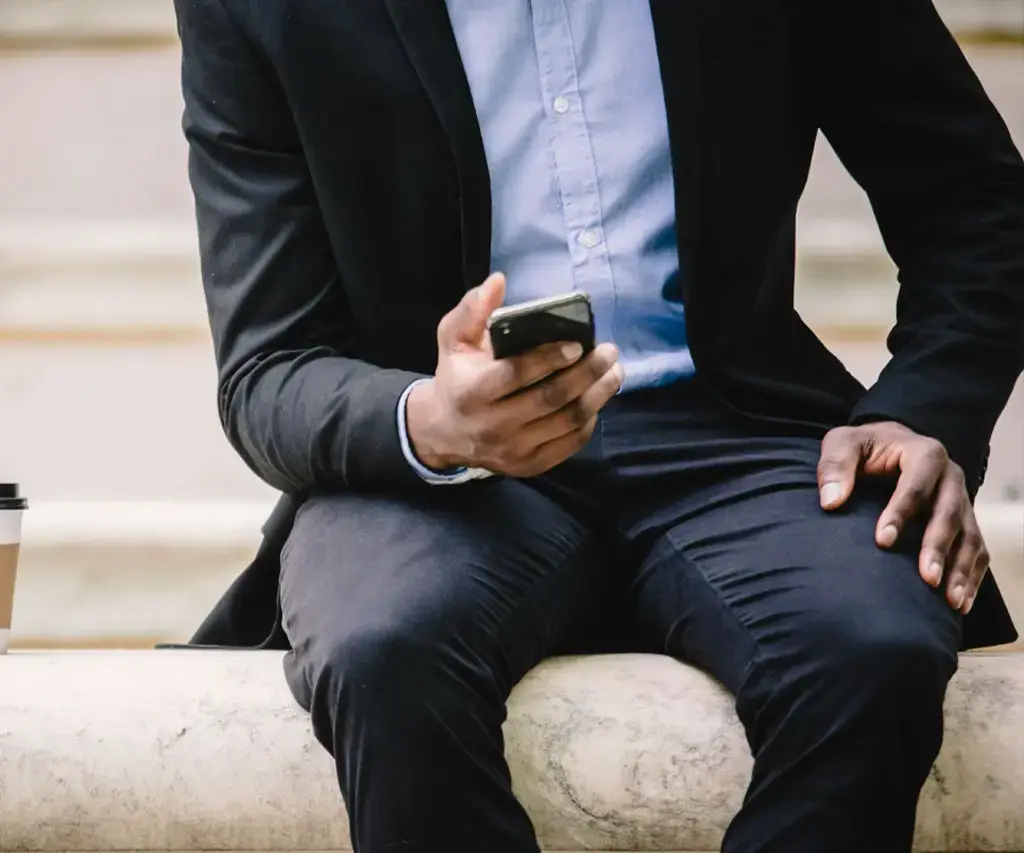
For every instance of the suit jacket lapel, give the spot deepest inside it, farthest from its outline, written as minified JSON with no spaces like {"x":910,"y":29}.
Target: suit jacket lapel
{"x":426,"y":32}
{"x":677,"y":29}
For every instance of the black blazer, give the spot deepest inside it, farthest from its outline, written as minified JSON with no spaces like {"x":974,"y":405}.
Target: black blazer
{"x":343,"y":202}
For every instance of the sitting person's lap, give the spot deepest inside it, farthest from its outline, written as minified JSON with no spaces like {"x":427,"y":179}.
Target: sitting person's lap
{"x":714,"y":527}
{"x":412,"y":619}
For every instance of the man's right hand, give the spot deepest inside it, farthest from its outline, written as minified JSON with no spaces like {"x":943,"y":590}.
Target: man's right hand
{"x":518,"y":416}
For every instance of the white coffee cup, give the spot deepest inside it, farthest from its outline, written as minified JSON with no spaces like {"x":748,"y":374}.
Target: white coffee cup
{"x":12,"y":507}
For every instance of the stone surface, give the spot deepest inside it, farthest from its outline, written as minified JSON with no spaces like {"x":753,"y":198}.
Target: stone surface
{"x":206,"y":751}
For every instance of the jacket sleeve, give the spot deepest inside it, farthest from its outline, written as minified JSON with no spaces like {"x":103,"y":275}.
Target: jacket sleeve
{"x":303,"y":412}
{"x":913,"y":125}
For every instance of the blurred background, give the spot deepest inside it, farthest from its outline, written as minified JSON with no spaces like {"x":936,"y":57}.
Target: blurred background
{"x":141,"y":513}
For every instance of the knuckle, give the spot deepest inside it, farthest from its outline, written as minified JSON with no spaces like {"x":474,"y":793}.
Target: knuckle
{"x":514,"y":372}
{"x":984,"y":558}
{"x":958,"y":571}
{"x":509,"y":456}
{"x":949,"y":514}
{"x":939,"y":541}
{"x":973,"y":541}
{"x":599,"y":365}
{"x":577,"y":415}
{"x":506,"y":455}
{"x":963,"y":562}
{"x":554,"y":394}
{"x":536,"y":363}
{"x":827,"y":466}
{"x":840,"y":433}
{"x":835,"y":460}
{"x":918,"y":494}
{"x":915,"y":495}
{"x":838,"y":440}
{"x":612,"y":380}
{"x":897,"y":516}
{"x":486,"y":436}
{"x":933,"y":452}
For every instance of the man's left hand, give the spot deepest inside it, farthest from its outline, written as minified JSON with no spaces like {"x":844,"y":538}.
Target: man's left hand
{"x":930,"y":484}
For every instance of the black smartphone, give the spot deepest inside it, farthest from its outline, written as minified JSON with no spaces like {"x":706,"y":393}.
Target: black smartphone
{"x":516,"y":329}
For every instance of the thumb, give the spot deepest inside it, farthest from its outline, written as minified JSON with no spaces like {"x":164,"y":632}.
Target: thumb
{"x":841,"y":455}
{"x":466,"y":323}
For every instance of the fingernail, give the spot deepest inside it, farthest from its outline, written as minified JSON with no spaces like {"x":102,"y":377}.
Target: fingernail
{"x":956,"y":596}
{"x":968,"y":605}
{"x":935,"y":573}
{"x":571,"y":352}
{"x":830,"y":493}
{"x":887,"y":538}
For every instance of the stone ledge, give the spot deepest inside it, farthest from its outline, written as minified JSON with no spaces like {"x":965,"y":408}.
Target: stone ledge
{"x":189,"y":751}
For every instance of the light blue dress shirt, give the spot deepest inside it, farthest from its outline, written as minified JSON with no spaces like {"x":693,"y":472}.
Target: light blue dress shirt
{"x":569,"y":100}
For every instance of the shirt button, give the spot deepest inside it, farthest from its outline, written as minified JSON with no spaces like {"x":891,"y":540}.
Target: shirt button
{"x":588,"y":239}
{"x":561,"y":105}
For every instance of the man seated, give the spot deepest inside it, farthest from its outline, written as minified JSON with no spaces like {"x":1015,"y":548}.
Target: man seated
{"x":374,"y":178}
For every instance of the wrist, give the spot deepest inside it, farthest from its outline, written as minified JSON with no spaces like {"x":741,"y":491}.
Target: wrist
{"x":423,"y":424}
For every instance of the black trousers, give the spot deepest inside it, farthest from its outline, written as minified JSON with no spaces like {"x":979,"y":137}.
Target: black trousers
{"x":680,"y":530}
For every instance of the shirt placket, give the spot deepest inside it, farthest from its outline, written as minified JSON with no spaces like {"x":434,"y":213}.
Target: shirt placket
{"x":572,"y":148}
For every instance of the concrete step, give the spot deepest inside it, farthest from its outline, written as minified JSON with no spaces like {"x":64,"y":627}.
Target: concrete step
{"x":105,"y":20}
{"x":128,"y":573}
{"x":127,"y":421}
{"x":135,"y":573}
{"x":85,"y":280}
{"x":82,"y":276}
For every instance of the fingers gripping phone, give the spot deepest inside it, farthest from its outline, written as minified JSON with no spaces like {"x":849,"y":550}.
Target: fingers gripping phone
{"x":516,"y":329}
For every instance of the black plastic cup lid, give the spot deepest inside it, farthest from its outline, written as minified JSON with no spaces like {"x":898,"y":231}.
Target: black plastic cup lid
{"x":10,"y":498}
